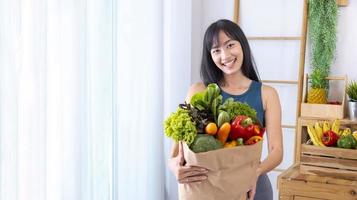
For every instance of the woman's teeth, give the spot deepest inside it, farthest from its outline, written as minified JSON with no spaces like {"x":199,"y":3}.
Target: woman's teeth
{"x":230,"y":62}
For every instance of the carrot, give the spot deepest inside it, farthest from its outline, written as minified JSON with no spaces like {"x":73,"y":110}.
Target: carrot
{"x":223,"y":132}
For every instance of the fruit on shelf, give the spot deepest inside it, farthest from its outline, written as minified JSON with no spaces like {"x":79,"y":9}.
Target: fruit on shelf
{"x":316,"y":140}
{"x":347,"y":142}
{"x":330,"y":138}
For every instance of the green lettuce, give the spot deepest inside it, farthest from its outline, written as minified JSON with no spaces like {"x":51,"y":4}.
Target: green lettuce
{"x":235,"y":108}
{"x":180,"y":127}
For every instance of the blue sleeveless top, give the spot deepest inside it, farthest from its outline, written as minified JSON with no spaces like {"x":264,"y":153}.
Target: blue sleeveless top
{"x":253,"y":97}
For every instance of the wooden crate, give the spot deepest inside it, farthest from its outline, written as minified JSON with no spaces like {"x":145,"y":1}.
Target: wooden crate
{"x":328,"y":161}
{"x":293,"y":185}
{"x":324,"y":161}
{"x":326,"y":111}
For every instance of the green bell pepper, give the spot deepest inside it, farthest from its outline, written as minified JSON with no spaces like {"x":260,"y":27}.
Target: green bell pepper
{"x":347,"y":142}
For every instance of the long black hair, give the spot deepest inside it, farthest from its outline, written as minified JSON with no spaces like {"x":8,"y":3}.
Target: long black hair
{"x":210,"y":73}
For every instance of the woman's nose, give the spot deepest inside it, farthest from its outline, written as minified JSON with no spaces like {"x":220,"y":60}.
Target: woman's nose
{"x":224,"y":54}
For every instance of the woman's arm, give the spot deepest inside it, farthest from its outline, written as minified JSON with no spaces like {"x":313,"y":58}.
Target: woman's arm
{"x":186,"y":174}
{"x":273,"y":128}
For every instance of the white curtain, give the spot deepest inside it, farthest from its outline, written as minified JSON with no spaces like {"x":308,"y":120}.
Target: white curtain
{"x":56,"y":103}
{"x":84,"y":88}
{"x":154,"y":71}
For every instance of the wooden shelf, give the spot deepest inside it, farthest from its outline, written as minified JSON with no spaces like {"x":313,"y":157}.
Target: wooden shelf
{"x":280,"y":81}
{"x":273,"y":38}
{"x":319,"y":173}
{"x":294,"y":185}
{"x":342,"y":2}
{"x":301,"y":134}
{"x":311,"y":120}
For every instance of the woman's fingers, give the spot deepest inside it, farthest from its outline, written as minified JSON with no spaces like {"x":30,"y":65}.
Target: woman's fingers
{"x":251,"y":195}
{"x":180,"y":155}
{"x":192,"y":179}
{"x":188,"y":174}
{"x":185,"y":169}
{"x":191,"y":174}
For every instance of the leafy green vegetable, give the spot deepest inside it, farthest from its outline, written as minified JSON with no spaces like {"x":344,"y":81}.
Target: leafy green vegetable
{"x":200,"y":117}
{"x":197,"y":101}
{"x":223,"y":117}
{"x":204,"y":142}
{"x":235,"y":108}
{"x":203,"y":100}
{"x":179,"y":126}
{"x":214,"y":106}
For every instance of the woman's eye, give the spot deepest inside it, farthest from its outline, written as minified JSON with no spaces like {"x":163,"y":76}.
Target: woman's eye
{"x":215,"y":51}
{"x":230,"y":45}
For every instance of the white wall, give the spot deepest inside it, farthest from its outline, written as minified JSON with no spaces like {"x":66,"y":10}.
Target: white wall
{"x":346,"y":59}
{"x":207,"y":11}
{"x":282,"y":58}
{"x":204,"y":12}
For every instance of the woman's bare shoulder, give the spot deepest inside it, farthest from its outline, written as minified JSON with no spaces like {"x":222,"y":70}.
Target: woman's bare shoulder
{"x":268,"y":90}
{"x":196,"y":87}
{"x":269,"y":95}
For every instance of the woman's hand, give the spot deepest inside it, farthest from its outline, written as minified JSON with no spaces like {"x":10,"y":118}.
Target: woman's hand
{"x":186,"y":174}
{"x":251,"y":192}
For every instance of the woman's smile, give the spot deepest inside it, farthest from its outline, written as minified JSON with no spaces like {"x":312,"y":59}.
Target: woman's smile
{"x":229,"y":63}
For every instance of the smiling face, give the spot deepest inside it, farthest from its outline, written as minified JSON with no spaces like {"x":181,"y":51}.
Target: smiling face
{"x":227,"y":54}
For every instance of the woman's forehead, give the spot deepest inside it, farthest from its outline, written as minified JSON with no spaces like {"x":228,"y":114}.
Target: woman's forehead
{"x":220,"y":38}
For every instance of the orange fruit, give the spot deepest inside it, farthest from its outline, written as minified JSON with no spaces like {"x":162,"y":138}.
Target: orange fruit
{"x":211,"y":128}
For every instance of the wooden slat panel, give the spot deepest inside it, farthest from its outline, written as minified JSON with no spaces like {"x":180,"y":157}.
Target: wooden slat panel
{"x":280,"y":81}
{"x":278,"y":170}
{"x":320,"y":161}
{"x":342,"y":2}
{"x":300,"y":79}
{"x":317,"y":190}
{"x":310,"y":120}
{"x":329,"y":151}
{"x":273,"y":38}
{"x":305,"y":198}
{"x":293,"y":174}
{"x":236,"y":11}
{"x":286,"y":197}
{"x":346,"y":177}
{"x":324,"y":111}
{"x":288,"y":126}
{"x":334,"y":78}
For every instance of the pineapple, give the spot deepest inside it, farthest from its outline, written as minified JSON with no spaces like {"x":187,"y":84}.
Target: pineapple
{"x":318,"y":92}
{"x":317,"y":95}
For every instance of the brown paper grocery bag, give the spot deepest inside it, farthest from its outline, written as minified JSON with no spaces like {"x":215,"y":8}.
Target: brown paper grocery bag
{"x":231,"y":171}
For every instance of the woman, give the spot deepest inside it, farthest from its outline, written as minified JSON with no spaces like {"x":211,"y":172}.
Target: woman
{"x":227,"y":61}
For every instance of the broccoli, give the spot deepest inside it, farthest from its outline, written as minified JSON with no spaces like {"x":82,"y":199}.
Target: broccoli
{"x":204,"y":142}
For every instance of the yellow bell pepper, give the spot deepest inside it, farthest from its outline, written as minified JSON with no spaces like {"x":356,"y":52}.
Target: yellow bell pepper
{"x":355,"y":135}
{"x":230,"y":144}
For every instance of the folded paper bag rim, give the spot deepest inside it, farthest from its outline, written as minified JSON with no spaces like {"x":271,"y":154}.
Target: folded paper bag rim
{"x":230,"y":175}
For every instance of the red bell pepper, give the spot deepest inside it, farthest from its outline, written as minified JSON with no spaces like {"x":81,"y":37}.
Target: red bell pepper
{"x":244,"y":127}
{"x":329,"y":138}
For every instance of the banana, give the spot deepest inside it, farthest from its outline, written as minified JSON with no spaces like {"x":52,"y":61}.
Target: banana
{"x":325,"y":126}
{"x":354,"y":134}
{"x":336,"y":126}
{"x":346,"y":132}
{"x":312,"y":134}
{"x":318,"y":130}
{"x":340,"y":132}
